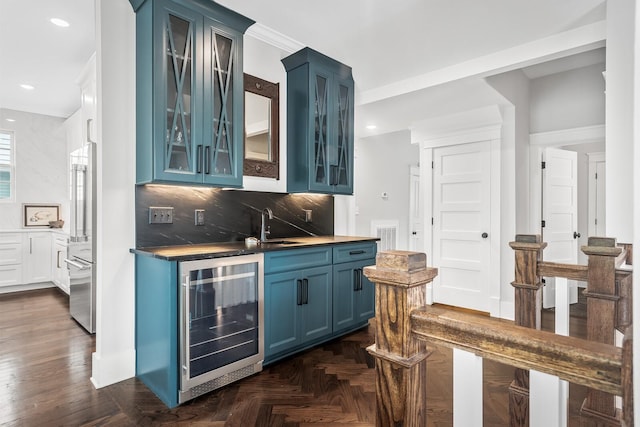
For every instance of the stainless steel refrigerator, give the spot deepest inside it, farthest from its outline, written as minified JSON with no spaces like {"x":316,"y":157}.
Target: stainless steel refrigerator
{"x":81,"y":254}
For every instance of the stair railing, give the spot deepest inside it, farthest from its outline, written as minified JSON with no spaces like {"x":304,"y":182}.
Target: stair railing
{"x":608,"y":295}
{"x":404,"y":324}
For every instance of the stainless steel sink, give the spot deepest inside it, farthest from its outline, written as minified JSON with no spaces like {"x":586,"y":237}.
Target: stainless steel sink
{"x":278,"y":242}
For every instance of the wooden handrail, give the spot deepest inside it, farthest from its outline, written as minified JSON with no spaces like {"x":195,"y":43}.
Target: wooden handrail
{"x":579,"y":361}
{"x":569,"y":271}
{"x":572,"y":271}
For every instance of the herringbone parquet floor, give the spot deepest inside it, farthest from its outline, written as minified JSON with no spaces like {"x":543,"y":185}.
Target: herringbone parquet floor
{"x":45,"y":368}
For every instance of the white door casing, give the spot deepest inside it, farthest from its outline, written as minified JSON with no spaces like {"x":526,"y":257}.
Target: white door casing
{"x":559,"y":214}
{"x":416,"y":234}
{"x":597,"y":180}
{"x":462,"y":224}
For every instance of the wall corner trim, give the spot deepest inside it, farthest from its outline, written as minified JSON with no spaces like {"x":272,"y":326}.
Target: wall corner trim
{"x":571,"y":136}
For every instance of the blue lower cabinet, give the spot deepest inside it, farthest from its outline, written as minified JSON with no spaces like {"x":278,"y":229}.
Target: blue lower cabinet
{"x":282,"y":323}
{"x":157,"y":351}
{"x":315,"y":304}
{"x":353,"y":295}
{"x":297,"y":309}
{"x":316,"y":294}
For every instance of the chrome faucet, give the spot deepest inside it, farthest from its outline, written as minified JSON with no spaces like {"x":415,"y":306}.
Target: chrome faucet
{"x":265,"y":229}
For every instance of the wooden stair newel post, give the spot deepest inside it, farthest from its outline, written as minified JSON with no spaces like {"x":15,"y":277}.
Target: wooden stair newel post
{"x":528,"y":305}
{"x":400,"y":279}
{"x":599,"y":408}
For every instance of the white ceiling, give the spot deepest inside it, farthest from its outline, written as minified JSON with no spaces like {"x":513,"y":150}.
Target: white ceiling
{"x":50,"y":58}
{"x":383,"y":41}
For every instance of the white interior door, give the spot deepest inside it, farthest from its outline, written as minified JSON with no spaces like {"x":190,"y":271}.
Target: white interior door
{"x":416,"y":232}
{"x":560,"y":214}
{"x":461,"y":224}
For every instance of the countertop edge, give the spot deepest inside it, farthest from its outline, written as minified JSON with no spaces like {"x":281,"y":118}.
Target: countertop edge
{"x":222,"y":249}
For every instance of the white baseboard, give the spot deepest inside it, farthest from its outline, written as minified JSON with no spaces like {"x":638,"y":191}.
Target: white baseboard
{"x":507,"y":310}
{"x":29,"y":287}
{"x":113,"y":368}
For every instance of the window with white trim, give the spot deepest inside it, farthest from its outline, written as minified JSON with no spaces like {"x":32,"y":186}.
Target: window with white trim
{"x":7,"y":166}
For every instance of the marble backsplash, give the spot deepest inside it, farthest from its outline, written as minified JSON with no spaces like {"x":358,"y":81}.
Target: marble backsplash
{"x":230,"y":215}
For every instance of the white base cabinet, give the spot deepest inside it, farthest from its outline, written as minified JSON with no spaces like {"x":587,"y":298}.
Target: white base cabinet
{"x":36,"y":261}
{"x":10,"y":259}
{"x":60,"y":271}
{"x":28,"y":257}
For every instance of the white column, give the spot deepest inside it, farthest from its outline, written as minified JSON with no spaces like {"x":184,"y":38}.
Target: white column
{"x":548,"y":394}
{"x":467,"y":389}
{"x":114,"y":358}
{"x":619,"y":118}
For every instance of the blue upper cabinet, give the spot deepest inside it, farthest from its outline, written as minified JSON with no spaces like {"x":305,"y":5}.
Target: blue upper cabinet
{"x":190,"y":100}
{"x":320,"y":105}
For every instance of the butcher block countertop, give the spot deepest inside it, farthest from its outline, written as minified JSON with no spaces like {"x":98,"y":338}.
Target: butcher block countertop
{"x":220,"y":249}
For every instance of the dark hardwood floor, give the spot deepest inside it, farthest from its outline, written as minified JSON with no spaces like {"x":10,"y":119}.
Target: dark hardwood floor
{"x":45,"y":365}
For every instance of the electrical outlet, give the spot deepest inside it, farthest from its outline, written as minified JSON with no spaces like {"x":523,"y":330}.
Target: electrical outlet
{"x":160,"y":215}
{"x":308,"y":215}
{"x":199,"y":216}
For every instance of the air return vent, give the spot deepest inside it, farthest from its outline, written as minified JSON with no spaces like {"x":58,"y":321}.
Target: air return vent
{"x":387,"y":231}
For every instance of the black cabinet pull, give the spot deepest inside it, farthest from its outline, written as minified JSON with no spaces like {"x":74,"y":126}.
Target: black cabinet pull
{"x":207,"y":162}
{"x":199,"y":159}
{"x":333,"y":175}
{"x":359,"y":252}
{"x":357,"y":279}
{"x":299,"y":293}
{"x":576,"y":235}
{"x":305,"y":284}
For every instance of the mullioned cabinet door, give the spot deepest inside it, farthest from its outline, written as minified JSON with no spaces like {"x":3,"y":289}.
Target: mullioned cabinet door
{"x":320,"y":111}
{"x":190,"y":97}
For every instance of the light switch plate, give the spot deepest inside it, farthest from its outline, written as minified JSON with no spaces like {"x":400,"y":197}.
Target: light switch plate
{"x":199,"y":217}
{"x":160,"y":215}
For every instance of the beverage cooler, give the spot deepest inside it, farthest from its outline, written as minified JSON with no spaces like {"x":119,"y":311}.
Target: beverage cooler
{"x":221,"y":322}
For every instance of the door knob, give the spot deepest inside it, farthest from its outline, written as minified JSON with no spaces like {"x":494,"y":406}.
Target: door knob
{"x":485,"y":235}
{"x":576,"y":235}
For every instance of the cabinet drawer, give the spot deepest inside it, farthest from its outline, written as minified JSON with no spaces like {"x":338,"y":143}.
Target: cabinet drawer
{"x":10,"y":275}
{"x":10,"y":238}
{"x":10,"y":254}
{"x":296,"y":259}
{"x":354,"y":252}
{"x":60,"y":240}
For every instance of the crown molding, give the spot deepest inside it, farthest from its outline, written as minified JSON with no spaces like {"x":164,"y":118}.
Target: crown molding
{"x":480,"y":124}
{"x":571,"y":136}
{"x":274,"y":38}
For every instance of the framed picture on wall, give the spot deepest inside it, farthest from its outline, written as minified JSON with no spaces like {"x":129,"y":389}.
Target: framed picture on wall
{"x":39,"y":215}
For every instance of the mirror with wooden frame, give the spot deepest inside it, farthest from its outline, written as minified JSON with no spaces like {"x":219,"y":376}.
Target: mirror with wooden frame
{"x":261,"y":127}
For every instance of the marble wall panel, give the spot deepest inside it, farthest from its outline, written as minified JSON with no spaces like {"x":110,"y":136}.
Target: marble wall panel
{"x":230,"y":215}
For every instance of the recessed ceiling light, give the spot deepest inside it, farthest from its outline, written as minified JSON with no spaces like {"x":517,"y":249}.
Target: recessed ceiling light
{"x":372,"y":127}
{"x":59,"y":22}
{"x":10,"y":120}
{"x":26,"y":86}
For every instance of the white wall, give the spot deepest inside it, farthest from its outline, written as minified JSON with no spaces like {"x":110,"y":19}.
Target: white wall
{"x":514,"y":86}
{"x":114,"y":358}
{"x":382,"y":164}
{"x":567,"y":100}
{"x":620,"y":119}
{"x":263,"y":60}
{"x":41,"y":165}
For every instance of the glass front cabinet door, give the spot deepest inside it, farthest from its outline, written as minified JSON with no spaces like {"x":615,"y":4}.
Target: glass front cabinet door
{"x":319,"y":124}
{"x":189,"y":93}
